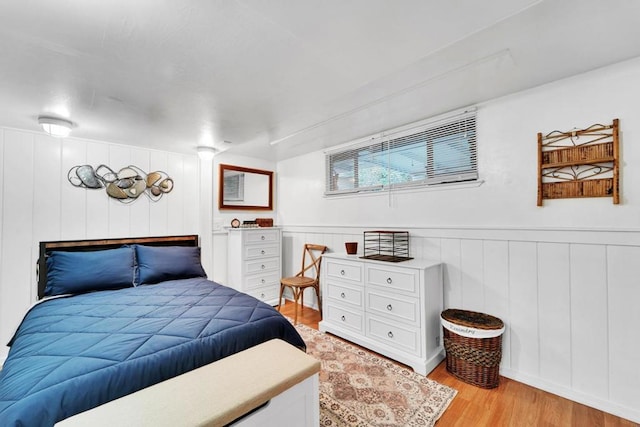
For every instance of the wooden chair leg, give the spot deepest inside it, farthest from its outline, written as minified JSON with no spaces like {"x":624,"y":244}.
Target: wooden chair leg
{"x":302,"y":299}
{"x":296,"y":296}
{"x":280,"y":297}
{"x":317,"y":288}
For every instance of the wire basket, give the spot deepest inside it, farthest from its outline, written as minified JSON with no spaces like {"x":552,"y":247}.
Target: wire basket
{"x":391,"y":246}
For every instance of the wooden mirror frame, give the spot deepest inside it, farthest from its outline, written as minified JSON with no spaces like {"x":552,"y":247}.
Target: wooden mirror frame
{"x":221,"y":203}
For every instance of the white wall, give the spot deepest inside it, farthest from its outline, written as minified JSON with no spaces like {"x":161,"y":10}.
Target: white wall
{"x":507,"y":162}
{"x":563,"y":277}
{"x":37,"y":203}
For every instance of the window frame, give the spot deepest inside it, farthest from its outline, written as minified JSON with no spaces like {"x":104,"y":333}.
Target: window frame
{"x":391,"y":142}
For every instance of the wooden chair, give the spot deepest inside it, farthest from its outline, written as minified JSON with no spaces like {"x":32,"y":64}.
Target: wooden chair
{"x":300,"y":282}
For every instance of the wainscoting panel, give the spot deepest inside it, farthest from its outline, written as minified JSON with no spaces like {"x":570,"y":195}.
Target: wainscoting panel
{"x":46,"y":195}
{"x":73,"y":201}
{"x":119,"y":219}
{"x":496,"y":289}
{"x":451,"y":272}
{"x":623,"y":279}
{"x":189,"y":194}
{"x":176,"y":209}
{"x":431,"y":248}
{"x":138,"y":211}
{"x":569,"y":299}
{"x":472,"y":274}
{"x":159,"y":218}
{"x":97,"y":205}
{"x":523,"y":308}
{"x":16,"y":266}
{"x":589,"y":346}
{"x":554,"y":296}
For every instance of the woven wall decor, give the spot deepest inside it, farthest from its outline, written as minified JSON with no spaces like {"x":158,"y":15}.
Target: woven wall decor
{"x":579,"y":163}
{"x":125,"y":186}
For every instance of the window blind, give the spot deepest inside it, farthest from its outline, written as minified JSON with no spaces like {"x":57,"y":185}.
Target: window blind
{"x":441,"y":151}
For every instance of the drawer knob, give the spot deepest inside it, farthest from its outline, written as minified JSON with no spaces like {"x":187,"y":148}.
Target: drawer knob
{"x":389,"y":307}
{"x":342,"y":295}
{"x":262,"y":296}
{"x":389,"y":281}
{"x":262,"y":280}
{"x":343,"y":318}
{"x":261,"y":237}
{"x":342,"y":272}
{"x":262,"y":266}
{"x":390,"y":334}
{"x":262,"y":252}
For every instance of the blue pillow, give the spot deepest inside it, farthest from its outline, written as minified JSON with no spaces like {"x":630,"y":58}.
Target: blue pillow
{"x":160,"y":263}
{"x":77,"y":272}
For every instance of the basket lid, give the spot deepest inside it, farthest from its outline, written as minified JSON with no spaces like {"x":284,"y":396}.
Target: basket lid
{"x":472,"y":319}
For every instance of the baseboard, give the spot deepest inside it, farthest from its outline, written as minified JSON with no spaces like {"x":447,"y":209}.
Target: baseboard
{"x":313,"y":306}
{"x":631,"y":414}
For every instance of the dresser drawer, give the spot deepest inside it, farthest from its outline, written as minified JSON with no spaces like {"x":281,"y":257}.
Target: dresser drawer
{"x":396,"y":307}
{"x":404,"y":337}
{"x":269,"y":293}
{"x":259,"y":280}
{"x":401,"y":279}
{"x":261,"y":236}
{"x":262,"y":251}
{"x":345,"y":294}
{"x":343,"y":317}
{"x":262,"y":265}
{"x":344,"y":270}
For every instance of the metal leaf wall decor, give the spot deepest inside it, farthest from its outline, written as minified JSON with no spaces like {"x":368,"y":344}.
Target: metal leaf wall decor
{"x":126,"y":185}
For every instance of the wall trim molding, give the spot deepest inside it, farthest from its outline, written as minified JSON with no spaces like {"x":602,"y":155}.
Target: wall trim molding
{"x":594,"y":236}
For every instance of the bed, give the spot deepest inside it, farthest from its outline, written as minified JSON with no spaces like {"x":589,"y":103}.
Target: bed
{"x":118,"y":316}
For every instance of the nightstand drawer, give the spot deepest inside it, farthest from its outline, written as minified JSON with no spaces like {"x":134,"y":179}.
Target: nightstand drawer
{"x":397,"y":307}
{"x":262,"y":265}
{"x":266,"y":251}
{"x":259,"y":280}
{"x":345,"y":294}
{"x":394,"y":335}
{"x":344,"y":270}
{"x":344,"y":318}
{"x":393,"y":278}
{"x":261,"y":236}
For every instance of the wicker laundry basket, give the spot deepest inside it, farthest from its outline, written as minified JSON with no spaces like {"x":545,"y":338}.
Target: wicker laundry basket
{"x":473,"y":344}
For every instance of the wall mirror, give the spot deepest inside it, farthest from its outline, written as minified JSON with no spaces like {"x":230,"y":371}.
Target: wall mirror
{"x":245,"y":188}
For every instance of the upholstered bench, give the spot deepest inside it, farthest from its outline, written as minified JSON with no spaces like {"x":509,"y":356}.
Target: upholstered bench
{"x":270,"y":384}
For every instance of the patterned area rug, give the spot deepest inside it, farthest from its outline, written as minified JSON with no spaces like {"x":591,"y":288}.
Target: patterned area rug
{"x":360,"y":388}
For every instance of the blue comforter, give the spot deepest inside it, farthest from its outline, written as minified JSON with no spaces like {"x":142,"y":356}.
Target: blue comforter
{"x":72,"y":354}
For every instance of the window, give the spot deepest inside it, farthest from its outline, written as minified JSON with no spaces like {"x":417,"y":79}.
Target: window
{"x":233,"y":187}
{"x":441,"y":151}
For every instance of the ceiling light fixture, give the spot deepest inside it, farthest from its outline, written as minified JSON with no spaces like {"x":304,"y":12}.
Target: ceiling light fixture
{"x":206,"y":152}
{"x":54,"y":126}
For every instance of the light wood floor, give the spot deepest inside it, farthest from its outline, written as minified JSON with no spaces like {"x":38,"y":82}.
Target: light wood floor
{"x":510,"y":404}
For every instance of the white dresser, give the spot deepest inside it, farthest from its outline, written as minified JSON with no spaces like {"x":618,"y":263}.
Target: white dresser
{"x":391,"y":308}
{"x":255,"y":262}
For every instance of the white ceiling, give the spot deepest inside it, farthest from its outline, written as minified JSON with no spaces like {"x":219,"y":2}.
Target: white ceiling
{"x":306,"y":74}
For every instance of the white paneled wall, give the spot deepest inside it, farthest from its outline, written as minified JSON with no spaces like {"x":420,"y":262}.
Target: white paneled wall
{"x":39,"y":204}
{"x":564,"y":277}
{"x":571,"y":309}
{"x":623,"y":315}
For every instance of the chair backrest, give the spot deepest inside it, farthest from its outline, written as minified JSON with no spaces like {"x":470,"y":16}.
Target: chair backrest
{"x":314,"y":255}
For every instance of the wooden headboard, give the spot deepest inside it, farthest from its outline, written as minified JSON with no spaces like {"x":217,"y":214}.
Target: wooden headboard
{"x":100,"y":244}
